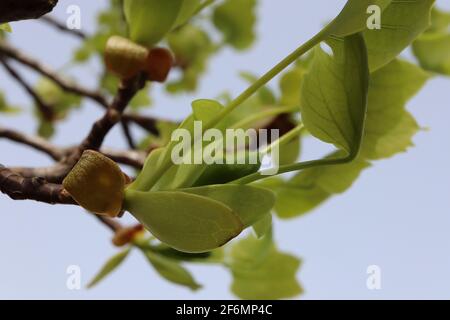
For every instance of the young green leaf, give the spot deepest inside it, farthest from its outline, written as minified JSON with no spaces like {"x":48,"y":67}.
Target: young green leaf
{"x":263,"y":226}
{"x":5,"y":27}
{"x":334,"y":94}
{"x":171,"y":270}
{"x":401,"y":23}
{"x":186,"y":222}
{"x":236,"y":20}
{"x":353,"y":18}
{"x":432,"y":48}
{"x":188,"y":9}
{"x":250,"y":203}
{"x":389,"y":127}
{"x":150,"y":20}
{"x":112,"y":264}
{"x":262,"y":272}
{"x":310,"y":188}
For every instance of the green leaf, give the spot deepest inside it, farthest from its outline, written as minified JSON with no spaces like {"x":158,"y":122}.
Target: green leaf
{"x":401,"y":23}
{"x":150,"y":20}
{"x":236,"y":20}
{"x":212,"y":257}
{"x":263,"y":226}
{"x":353,"y":17}
{"x":109,"y":267}
{"x":171,"y":270}
{"x":334,"y":94}
{"x":250,"y":203}
{"x":433,"y":52}
{"x":432,"y":48}
{"x":5,"y":27}
{"x":205,"y":110}
{"x":389,"y":127}
{"x":5,"y":107}
{"x":290,"y":85}
{"x":186,"y":222}
{"x":188,"y":8}
{"x":261,"y":272}
{"x":310,"y":188}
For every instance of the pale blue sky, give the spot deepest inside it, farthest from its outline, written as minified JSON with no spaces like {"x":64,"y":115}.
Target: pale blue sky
{"x":396,"y":215}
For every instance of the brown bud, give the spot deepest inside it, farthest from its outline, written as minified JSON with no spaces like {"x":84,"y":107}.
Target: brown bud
{"x":126,"y":235}
{"x":97,"y":184}
{"x":158,"y":65}
{"x":125,"y":58}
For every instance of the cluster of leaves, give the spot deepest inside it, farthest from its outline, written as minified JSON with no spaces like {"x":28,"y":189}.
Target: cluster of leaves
{"x":354,"y":98}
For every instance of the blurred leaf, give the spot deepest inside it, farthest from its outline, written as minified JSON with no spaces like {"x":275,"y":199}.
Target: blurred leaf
{"x":215,"y":256}
{"x":290,"y":84}
{"x":236,"y":20}
{"x":5,"y":107}
{"x":389,"y":127}
{"x":310,"y":188}
{"x":171,"y":270}
{"x":263,"y":226}
{"x":262,"y":272}
{"x":150,"y":20}
{"x":109,"y":267}
{"x":432,"y":48}
{"x":192,"y":48}
{"x":5,"y":27}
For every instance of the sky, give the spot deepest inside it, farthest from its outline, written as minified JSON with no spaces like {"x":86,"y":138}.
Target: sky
{"x":396,"y":216}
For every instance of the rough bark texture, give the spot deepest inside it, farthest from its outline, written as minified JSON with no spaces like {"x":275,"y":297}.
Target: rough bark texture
{"x":14,"y":10}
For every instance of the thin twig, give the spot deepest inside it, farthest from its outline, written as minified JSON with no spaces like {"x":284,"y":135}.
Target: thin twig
{"x":62,"y":27}
{"x":46,"y":110}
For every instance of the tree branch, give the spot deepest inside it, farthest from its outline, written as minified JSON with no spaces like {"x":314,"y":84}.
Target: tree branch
{"x":45,"y":109}
{"x":38,"y":189}
{"x":14,"y":10}
{"x":62,"y":27}
{"x":133,"y":158}
{"x":144,"y":122}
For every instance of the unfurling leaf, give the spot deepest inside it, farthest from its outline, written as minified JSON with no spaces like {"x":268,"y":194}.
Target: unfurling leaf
{"x":184,"y":221}
{"x":109,"y":267}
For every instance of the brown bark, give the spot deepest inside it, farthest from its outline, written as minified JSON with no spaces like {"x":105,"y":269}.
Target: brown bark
{"x":14,"y":10}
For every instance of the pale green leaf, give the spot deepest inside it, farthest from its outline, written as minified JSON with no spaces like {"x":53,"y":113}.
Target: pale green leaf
{"x":263,"y":226}
{"x":334,"y":94}
{"x":171,"y":270}
{"x":186,"y":222}
{"x":389,"y":128}
{"x":150,"y":20}
{"x":188,"y":8}
{"x":5,"y":27}
{"x":433,"y":51}
{"x":353,"y":17}
{"x":401,"y":23}
{"x":262,"y":272}
{"x":236,"y":20}
{"x":109,"y":267}
{"x":250,"y":203}
{"x":310,"y":188}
